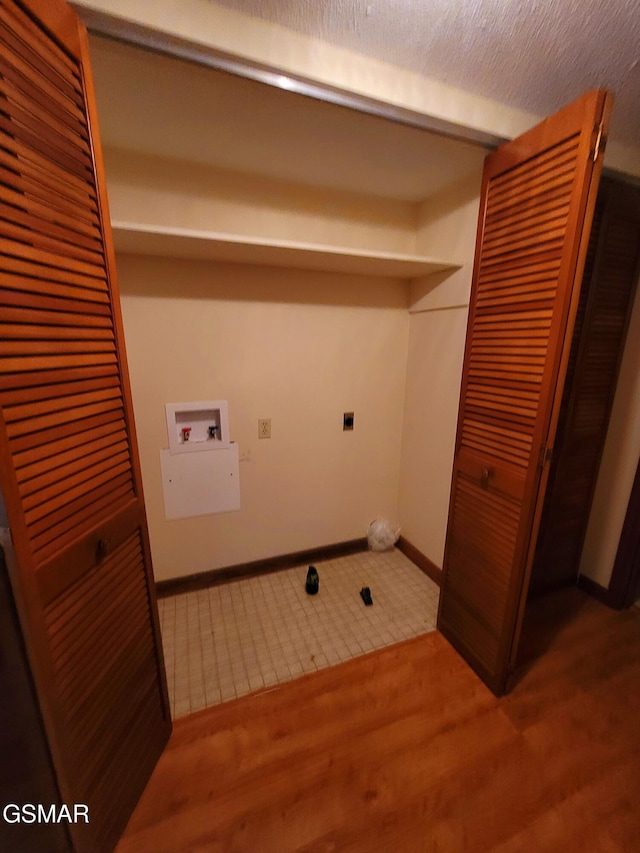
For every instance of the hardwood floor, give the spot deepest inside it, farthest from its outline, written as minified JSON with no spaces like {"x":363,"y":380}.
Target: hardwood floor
{"x":406,"y":750}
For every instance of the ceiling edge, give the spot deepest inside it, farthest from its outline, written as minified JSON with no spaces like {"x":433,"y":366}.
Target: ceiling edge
{"x":620,"y":161}
{"x":130,"y":32}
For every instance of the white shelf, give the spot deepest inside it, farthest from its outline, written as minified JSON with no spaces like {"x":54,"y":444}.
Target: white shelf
{"x":207,"y":245}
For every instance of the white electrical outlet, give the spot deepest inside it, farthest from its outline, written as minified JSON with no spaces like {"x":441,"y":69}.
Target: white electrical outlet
{"x":264,"y":427}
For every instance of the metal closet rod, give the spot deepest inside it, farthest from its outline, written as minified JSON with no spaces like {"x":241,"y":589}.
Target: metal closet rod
{"x":129,"y":32}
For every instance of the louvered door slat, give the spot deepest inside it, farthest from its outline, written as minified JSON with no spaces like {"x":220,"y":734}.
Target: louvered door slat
{"x":102,"y":632}
{"x":50,"y":234}
{"x":48,"y":259}
{"x":64,"y":407}
{"x":54,"y":222}
{"x":69,"y":474}
{"x":43,"y":470}
{"x":43,"y":504}
{"x":138,"y":743}
{"x":71,"y":614}
{"x":123,"y":647}
{"x":55,"y":56}
{"x":96,"y":624}
{"x":547,"y":209}
{"x":21,"y":125}
{"x":48,"y":362}
{"x":18,"y":347}
{"x":23,"y":80}
{"x":41,"y":195}
{"x":80,"y":465}
{"x":115,"y":658}
{"x":42,"y":203}
{"x":43,"y":319}
{"x":35,"y":431}
{"x":36,"y":387}
{"x":134,"y":668}
{"x":29,"y":98}
{"x":57,"y":333}
{"x":547,"y":225}
{"x":100,"y":416}
{"x":42,"y":281}
{"x":24,"y":161}
{"x":40,"y":461}
{"x":15,"y":170}
{"x":26,"y":87}
{"x":536,"y":200}
{"x":18,"y":386}
{"x":20,"y":49}
{"x":61,"y":528}
{"x":20,"y":23}
{"x":59,"y":85}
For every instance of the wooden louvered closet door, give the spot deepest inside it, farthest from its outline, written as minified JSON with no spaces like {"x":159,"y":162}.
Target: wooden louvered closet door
{"x":69,"y":471}
{"x":537,"y":201}
{"x":606,"y":298}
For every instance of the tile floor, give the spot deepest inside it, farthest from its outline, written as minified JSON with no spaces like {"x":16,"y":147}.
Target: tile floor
{"x":232,"y":639}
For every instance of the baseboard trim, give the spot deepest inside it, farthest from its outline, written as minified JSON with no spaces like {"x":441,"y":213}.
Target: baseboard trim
{"x":598,"y":592}
{"x":202,"y":580}
{"x":421,"y":560}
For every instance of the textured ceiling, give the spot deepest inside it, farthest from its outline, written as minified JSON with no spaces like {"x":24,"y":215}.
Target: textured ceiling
{"x":536,"y":55}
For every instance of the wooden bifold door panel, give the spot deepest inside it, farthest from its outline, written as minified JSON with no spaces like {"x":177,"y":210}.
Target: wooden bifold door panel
{"x":69,"y":471}
{"x":27,"y":773}
{"x":537,"y":201}
{"x":609,"y":284}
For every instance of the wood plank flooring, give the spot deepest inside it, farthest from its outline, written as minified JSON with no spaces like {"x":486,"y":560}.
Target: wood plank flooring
{"x":405,"y":750}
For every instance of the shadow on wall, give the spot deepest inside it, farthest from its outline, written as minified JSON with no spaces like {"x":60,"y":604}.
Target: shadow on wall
{"x":162,"y":177}
{"x":421,"y":287}
{"x":210,"y":280}
{"x":451,"y":198}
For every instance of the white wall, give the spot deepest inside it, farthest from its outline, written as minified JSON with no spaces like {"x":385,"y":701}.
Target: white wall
{"x":436,"y":348}
{"x":438,"y":323}
{"x":297,"y":347}
{"x":162,"y":192}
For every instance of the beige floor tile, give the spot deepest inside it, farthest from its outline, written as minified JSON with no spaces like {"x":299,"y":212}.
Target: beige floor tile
{"x":229,"y":640}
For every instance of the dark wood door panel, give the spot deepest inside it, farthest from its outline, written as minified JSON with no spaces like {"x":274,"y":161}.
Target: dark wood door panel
{"x":608,"y":289}
{"x":536,"y":204}
{"x":482,"y":546}
{"x":69,"y":470}
{"x":87,"y":552}
{"x":26,"y":772}
{"x":485,"y":470}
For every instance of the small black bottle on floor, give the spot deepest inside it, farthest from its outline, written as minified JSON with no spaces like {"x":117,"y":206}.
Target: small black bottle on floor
{"x":313,"y":581}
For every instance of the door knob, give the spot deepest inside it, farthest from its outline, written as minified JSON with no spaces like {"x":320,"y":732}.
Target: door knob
{"x":102,"y":549}
{"x":484,"y":478}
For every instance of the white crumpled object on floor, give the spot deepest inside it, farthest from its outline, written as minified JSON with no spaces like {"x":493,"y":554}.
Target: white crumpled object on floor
{"x":382,"y":535}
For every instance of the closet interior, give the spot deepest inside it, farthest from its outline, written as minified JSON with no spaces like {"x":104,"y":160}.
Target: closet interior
{"x":294,"y":252}
{"x":238,"y":212}
{"x":204,"y":166}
